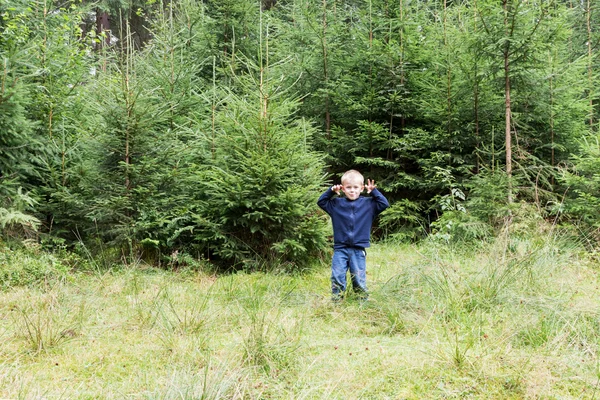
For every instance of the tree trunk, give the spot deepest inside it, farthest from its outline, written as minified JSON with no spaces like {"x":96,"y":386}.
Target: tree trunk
{"x":370,"y":119}
{"x":590,"y":61}
{"x":448,"y":83}
{"x":476,"y":96}
{"x":103,"y":26}
{"x":551,"y":81}
{"x":325,"y":74}
{"x":507,"y":104}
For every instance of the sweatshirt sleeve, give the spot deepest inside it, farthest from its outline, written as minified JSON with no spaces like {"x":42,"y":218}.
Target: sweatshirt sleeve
{"x":380,"y":202}
{"x":325,"y":201}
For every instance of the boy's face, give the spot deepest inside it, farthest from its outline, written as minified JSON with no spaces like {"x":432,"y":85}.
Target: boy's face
{"x":352,"y":189}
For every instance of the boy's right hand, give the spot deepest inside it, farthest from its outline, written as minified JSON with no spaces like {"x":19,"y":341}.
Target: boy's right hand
{"x":336,"y":189}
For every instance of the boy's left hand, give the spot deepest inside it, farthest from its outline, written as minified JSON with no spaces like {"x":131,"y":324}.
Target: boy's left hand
{"x":370,"y":185}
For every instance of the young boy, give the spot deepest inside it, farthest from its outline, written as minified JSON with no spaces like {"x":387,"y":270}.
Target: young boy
{"x":352,"y":217}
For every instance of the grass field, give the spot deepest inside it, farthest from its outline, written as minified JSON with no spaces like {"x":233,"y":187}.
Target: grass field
{"x":517,"y":318}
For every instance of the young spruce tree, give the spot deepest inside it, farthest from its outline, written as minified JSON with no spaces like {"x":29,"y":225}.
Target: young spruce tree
{"x":256,"y":204}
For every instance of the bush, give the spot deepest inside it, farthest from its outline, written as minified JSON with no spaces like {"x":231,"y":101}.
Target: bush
{"x":22,"y":267}
{"x":460,"y":226}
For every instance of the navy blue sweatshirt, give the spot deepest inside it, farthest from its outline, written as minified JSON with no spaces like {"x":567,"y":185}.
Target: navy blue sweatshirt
{"x":352,"y":219}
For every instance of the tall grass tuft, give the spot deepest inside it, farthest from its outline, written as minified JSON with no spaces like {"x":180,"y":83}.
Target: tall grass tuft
{"x":540,"y":332}
{"x":272,"y":338}
{"x":188,"y":318}
{"x":48,"y":323}
{"x":213,"y":382}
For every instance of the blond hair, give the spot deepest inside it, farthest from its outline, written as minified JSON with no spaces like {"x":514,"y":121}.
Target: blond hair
{"x":352,"y":175}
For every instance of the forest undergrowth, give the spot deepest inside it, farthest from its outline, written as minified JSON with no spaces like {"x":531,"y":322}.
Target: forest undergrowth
{"x":513,"y":318}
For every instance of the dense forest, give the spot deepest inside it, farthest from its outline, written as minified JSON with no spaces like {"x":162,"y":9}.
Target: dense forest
{"x":207,"y":129}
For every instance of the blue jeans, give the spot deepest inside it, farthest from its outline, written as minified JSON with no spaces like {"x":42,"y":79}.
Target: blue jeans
{"x":349,"y":259}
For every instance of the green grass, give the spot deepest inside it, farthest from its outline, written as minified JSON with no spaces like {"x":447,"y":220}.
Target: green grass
{"x":516,"y":319}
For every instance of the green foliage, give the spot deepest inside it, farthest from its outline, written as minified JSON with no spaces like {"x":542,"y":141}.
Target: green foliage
{"x":460,"y":227}
{"x":44,"y":63}
{"x":403,"y":221}
{"x":487,"y":197}
{"x":583,"y":180}
{"x":257,"y":195}
{"x":10,"y":218}
{"x":131,"y":180}
{"x":196,"y":132}
{"x":233,"y":29}
{"x":486,"y":212}
{"x":29,"y":268}
{"x":61,"y":107}
{"x":15,"y":220}
{"x":16,"y":139}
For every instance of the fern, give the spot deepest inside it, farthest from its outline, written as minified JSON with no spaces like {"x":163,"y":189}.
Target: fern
{"x":10,"y":218}
{"x":15,"y":216}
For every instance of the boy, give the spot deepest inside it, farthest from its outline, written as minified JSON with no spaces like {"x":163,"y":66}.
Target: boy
{"x":352,"y":217}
